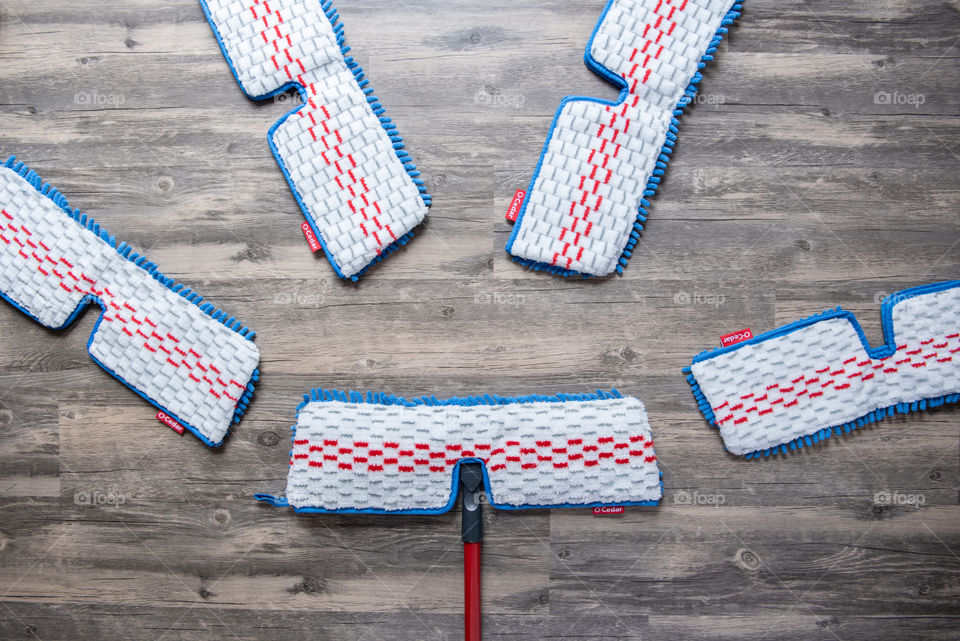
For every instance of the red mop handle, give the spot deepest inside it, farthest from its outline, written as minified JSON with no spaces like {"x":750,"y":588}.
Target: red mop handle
{"x":471,"y":591}
{"x":471,"y":529}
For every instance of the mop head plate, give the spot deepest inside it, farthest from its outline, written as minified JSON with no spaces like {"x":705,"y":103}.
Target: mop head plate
{"x":379,"y":453}
{"x":190,"y":360}
{"x":343,"y":159}
{"x":798,"y":384}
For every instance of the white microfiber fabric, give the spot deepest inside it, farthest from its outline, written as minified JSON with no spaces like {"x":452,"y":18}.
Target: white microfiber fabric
{"x":380,"y":453}
{"x":585,"y":205}
{"x":343,"y":159}
{"x":191,"y":361}
{"x":796,"y":385}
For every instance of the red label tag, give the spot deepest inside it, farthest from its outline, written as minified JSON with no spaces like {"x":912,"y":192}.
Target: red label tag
{"x":311,"y":237}
{"x":170,"y":422}
{"x":608,"y":509}
{"x":514,"y":208}
{"x":736,"y":337}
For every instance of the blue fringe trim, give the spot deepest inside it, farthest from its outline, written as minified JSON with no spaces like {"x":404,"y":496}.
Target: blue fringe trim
{"x":701,"y":399}
{"x":231,"y":322}
{"x":653,"y":182}
{"x":389,"y":127}
{"x":384,"y":253}
{"x":246,"y":397}
{"x":538,"y":266}
{"x":382,"y":398}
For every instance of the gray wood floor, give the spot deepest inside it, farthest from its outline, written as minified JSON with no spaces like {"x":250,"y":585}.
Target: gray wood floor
{"x":796,"y":187}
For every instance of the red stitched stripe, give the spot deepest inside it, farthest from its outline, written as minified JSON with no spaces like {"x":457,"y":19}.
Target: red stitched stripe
{"x":282,"y":43}
{"x":433,"y":457}
{"x":566,"y":257}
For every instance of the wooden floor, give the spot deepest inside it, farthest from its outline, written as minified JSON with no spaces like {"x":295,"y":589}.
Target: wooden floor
{"x":819,"y":168}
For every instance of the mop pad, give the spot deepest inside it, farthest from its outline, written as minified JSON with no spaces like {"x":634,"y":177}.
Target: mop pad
{"x":796,"y":385}
{"x":380,"y":453}
{"x":343,"y":159}
{"x":189,"y":360}
{"x":588,"y":198}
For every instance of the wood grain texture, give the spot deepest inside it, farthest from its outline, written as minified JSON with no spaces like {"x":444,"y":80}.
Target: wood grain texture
{"x":792,"y":190}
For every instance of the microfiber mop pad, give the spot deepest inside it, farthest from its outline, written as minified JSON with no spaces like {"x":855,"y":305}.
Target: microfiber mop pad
{"x":343,"y":159}
{"x":190,"y":360}
{"x":380,"y":453}
{"x":588,"y":198}
{"x":798,"y":384}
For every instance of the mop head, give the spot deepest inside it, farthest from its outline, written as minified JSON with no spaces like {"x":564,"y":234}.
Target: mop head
{"x":798,"y":384}
{"x":343,"y":159}
{"x":587,"y":201}
{"x":380,"y":453}
{"x":191,"y":361}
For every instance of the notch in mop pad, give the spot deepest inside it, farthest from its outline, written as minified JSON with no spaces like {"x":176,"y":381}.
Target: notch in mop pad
{"x":381,"y":453}
{"x":798,"y":384}
{"x":588,"y":198}
{"x":188,"y":359}
{"x":343,"y":159}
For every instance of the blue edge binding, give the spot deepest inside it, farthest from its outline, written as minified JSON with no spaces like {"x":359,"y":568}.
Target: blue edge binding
{"x":398,"y":146}
{"x":653,"y":182}
{"x":889,"y":347}
{"x":325,"y":395}
{"x":33,"y":178}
